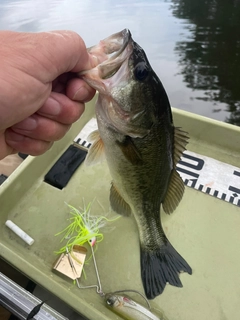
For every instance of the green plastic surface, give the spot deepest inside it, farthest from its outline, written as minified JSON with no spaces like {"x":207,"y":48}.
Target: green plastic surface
{"x":203,"y":229}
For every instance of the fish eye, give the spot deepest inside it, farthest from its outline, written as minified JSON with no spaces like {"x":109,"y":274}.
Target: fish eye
{"x":141,"y":71}
{"x":110,"y":302}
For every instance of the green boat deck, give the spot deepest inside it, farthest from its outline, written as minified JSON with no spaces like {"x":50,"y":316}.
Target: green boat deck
{"x":203,"y":229}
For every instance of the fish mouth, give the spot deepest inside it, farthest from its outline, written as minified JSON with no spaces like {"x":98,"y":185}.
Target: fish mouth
{"x":111,"y":53}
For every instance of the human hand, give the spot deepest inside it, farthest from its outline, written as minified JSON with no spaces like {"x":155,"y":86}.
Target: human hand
{"x":40,"y":96}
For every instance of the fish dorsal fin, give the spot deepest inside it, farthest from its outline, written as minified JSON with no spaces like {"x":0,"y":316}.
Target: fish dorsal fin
{"x":118,"y":204}
{"x":130,"y":151}
{"x":176,"y":186}
{"x":174,"y":193}
{"x":180,"y":142}
{"x":96,"y":151}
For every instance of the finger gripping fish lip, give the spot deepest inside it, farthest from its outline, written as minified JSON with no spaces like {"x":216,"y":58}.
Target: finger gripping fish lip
{"x":110,"y":54}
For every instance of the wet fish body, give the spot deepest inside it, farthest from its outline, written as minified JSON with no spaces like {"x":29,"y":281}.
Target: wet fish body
{"x":142,"y":147}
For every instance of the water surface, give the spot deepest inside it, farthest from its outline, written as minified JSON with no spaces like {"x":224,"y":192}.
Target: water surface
{"x":193,"y":45}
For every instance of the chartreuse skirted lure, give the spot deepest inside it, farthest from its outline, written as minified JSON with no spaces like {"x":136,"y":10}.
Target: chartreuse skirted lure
{"x":83,"y":228}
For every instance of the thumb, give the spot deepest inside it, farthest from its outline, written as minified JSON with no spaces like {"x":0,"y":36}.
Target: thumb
{"x":65,"y":52}
{"x":46,"y":55}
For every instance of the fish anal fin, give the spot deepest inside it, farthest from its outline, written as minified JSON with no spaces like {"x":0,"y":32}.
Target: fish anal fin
{"x":174,"y":193}
{"x":130,"y":151}
{"x":96,"y":151}
{"x":180,"y":142}
{"x":118,"y":204}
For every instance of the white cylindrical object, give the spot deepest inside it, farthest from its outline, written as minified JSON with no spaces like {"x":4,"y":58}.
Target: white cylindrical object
{"x":22,"y":234}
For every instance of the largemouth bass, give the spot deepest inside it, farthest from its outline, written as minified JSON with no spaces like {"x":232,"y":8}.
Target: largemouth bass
{"x":142,"y":147}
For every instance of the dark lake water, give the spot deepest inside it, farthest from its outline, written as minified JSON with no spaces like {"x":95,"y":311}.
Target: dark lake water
{"x":193,"y":45}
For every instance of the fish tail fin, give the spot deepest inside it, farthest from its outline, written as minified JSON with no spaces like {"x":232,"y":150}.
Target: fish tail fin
{"x":161,"y":266}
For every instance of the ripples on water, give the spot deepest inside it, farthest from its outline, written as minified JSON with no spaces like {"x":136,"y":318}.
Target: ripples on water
{"x":193,"y":45}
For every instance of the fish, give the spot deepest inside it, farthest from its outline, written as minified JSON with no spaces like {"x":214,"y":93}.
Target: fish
{"x":127,"y":308}
{"x":142,"y":146}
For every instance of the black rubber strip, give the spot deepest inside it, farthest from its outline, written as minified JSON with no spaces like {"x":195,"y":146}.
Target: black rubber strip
{"x":62,"y":171}
{"x":2,"y":178}
{"x":30,"y":287}
{"x":22,"y":155}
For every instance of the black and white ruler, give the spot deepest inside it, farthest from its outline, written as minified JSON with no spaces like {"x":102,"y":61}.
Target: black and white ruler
{"x":210,"y":176}
{"x":202,"y":173}
{"x":82,"y":137}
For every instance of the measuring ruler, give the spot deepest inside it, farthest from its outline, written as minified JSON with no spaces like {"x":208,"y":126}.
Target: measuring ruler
{"x":205,"y":174}
{"x":210,"y":176}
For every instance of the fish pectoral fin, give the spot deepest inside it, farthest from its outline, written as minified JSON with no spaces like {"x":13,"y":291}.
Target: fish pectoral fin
{"x":180,"y":142}
{"x":118,"y":204}
{"x":174,"y":193}
{"x":96,"y":151}
{"x":130,"y":151}
{"x":93,"y":136}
